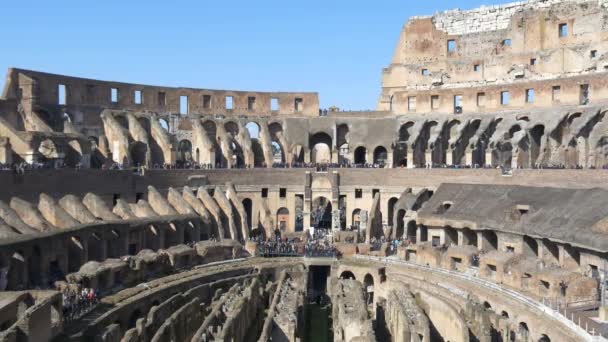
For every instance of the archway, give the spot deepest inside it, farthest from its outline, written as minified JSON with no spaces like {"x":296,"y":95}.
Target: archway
{"x":391,"y":209}
{"x":248,"y":205}
{"x":360,"y":155}
{"x":523,"y":331}
{"x":278,"y":143}
{"x":184,"y":151}
{"x":73,"y":153}
{"x":94,"y":248}
{"x":347,"y":275}
{"x":320,"y":146}
{"x":283,"y":219}
{"x":356,"y":219}
{"x":399,"y":225}
{"x":34,"y":267}
{"x":278,"y":156}
{"x":380,"y":156}
{"x":75,"y":254}
{"x":368,"y":287}
{"x":321,"y":213}
{"x":254,"y":130}
{"x":139,"y":151}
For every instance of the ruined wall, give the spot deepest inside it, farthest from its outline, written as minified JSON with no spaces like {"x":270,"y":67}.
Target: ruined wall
{"x":511,"y":47}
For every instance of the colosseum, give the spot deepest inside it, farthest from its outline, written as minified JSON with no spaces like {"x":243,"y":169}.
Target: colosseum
{"x":471,"y":205}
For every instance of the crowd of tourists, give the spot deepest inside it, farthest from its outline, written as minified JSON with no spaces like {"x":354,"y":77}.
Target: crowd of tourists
{"x":320,"y":167}
{"x":78,"y":302}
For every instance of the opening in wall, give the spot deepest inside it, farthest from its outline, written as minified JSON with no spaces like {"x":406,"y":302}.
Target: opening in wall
{"x":477,"y":67}
{"x":137,"y":97}
{"x":555,"y":93}
{"x":505,"y":98}
{"x":358,"y":193}
{"x":264,"y":192}
{"x":206,"y":101}
{"x":298,"y":104}
{"x":457,"y":104}
{"x":533,"y":61}
{"x":162,"y":99}
{"x":563,"y":30}
{"x":183,"y":105}
{"x":274,"y":104}
{"x":584,"y":91}
{"x":451,"y":46}
{"x":529,"y":95}
{"x":229,"y":103}
{"x":506,"y":42}
{"x":114,"y":95}
{"x":251,"y":103}
{"x":283,"y":192}
{"x":61,"y":94}
{"x":425,"y":72}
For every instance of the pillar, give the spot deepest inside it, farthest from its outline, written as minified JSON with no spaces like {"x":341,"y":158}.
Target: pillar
{"x":480,"y":241}
{"x":428,"y":158}
{"x":468,"y":155}
{"x":410,"y":158}
{"x":6,"y":152}
{"x":489,"y":157}
{"x":449,"y":155}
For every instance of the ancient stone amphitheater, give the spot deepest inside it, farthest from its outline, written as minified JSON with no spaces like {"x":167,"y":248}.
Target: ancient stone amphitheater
{"x":471,"y":206}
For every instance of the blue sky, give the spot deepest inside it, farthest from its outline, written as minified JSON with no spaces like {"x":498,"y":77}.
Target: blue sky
{"x":335,"y":47}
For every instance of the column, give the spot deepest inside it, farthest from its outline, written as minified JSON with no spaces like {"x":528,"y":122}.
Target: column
{"x":480,"y":241}
{"x":410,"y":158}
{"x":449,"y":154}
{"x":468,"y":155}
{"x":489,"y":157}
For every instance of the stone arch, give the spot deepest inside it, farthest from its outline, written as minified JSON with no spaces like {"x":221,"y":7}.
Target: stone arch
{"x":34,"y":266}
{"x":138,"y":152}
{"x":368,"y":287}
{"x":523,"y":331}
{"x":536,"y":145}
{"x":360,"y":156}
{"x":283,"y":219}
{"x":320,"y":146}
{"x":347,"y":275}
{"x":76,"y":254}
{"x":321,"y":213}
{"x":184,"y":150}
{"x":356,"y":218}
{"x":342,"y":140}
{"x":398,"y":224}
{"x":278,"y":142}
{"x":136,"y":315}
{"x":73,"y":153}
{"x":391,"y":210}
{"x":401,"y":146}
{"x":544,"y":338}
{"x":94,"y":252}
{"x":164,"y":124}
{"x":248,"y":206}
{"x":380,"y":156}
{"x":232,"y":128}
{"x":254,"y":129}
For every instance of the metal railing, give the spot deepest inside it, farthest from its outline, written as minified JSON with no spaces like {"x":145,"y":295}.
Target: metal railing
{"x":582,"y":331}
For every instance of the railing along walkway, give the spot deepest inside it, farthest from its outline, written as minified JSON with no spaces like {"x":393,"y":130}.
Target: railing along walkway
{"x":586,"y":335}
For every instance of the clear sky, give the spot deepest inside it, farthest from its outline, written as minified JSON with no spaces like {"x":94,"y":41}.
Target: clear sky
{"x":335,"y":47}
